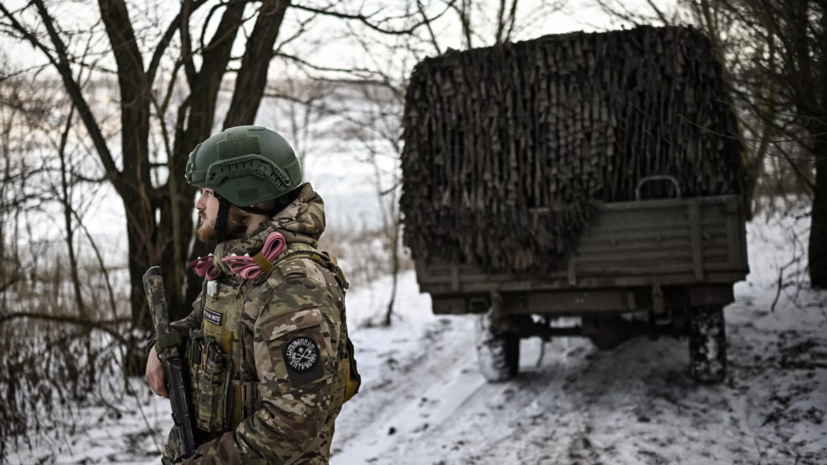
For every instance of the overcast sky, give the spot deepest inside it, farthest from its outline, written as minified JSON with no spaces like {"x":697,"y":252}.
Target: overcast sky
{"x":328,"y":41}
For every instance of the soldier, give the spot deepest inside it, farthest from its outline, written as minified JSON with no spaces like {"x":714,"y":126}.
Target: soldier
{"x":270,"y":360}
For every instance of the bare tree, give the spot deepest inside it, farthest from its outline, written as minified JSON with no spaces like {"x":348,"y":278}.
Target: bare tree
{"x":49,"y":339}
{"x":374,"y":117}
{"x":301,"y":104}
{"x":147,"y":64}
{"x":793,"y":106}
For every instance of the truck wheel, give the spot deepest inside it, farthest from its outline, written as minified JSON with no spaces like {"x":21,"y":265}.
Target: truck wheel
{"x":707,"y":344}
{"x":498,"y":352}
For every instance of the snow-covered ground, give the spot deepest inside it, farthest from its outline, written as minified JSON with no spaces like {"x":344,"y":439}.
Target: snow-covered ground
{"x":423,"y":400}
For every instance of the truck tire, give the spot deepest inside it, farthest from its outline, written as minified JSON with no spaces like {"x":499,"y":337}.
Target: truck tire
{"x":498,"y":352}
{"x":707,"y":345}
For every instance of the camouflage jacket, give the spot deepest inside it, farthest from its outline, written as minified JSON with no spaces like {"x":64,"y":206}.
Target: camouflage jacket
{"x":300,"y":302}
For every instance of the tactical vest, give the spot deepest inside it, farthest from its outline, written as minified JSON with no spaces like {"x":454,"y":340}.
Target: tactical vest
{"x":222,"y":393}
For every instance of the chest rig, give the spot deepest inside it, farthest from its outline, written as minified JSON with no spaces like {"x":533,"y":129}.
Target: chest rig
{"x":224,"y":385}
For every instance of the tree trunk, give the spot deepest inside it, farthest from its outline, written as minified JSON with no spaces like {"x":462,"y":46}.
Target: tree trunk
{"x":178,"y":295}
{"x":199,"y":125}
{"x":817,"y":252}
{"x":252,"y":77}
{"x":251,"y":81}
{"x":141,"y":233}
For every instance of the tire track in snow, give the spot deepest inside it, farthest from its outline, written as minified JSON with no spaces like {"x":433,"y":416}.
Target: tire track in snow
{"x":635,"y":405}
{"x":534,"y":408}
{"x":440,"y":374}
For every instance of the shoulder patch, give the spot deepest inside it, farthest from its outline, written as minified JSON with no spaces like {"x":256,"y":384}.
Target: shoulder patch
{"x":301,"y":354}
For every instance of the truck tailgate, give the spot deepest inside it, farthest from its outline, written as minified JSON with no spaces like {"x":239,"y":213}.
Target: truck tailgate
{"x":640,"y":243}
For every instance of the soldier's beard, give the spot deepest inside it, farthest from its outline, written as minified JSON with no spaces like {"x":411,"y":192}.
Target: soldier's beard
{"x":237,"y":223}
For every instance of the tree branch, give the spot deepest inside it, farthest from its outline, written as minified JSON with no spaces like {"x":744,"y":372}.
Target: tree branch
{"x":626,"y":15}
{"x":512,"y":20}
{"x":428,"y":26}
{"x":167,"y":38}
{"x":186,"y":43}
{"x":255,"y":64}
{"x":325,"y":68}
{"x":366,"y":20}
{"x":100,"y":325}
{"x":302,"y":29}
{"x":660,"y":14}
{"x":498,"y":38}
{"x":72,"y":88}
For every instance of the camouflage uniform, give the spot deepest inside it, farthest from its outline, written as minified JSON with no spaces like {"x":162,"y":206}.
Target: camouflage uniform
{"x":300,"y":301}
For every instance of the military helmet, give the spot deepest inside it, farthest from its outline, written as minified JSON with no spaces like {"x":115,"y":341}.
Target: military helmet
{"x":245,"y":165}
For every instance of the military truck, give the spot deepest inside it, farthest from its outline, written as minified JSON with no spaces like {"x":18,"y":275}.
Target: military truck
{"x":595,"y":176}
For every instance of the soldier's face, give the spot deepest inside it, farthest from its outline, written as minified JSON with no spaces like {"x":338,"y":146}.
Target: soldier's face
{"x":207,"y":206}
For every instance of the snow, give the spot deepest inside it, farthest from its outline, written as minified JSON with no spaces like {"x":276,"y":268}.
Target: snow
{"x":424,"y":400}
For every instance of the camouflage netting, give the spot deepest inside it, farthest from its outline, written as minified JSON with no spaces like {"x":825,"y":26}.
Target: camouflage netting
{"x":505,"y":146}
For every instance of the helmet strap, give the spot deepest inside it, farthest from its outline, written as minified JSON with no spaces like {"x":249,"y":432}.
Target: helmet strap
{"x":221,"y":221}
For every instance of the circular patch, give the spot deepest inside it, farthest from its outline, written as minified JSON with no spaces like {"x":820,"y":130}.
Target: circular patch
{"x":302,"y":354}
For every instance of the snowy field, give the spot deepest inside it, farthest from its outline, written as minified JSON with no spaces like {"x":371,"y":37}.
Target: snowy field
{"x":423,"y":400}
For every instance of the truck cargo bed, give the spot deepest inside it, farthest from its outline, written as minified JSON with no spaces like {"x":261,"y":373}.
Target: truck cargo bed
{"x":686,"y":241}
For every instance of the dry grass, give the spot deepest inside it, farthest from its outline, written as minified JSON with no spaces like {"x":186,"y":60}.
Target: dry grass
{"x":55,"y":357}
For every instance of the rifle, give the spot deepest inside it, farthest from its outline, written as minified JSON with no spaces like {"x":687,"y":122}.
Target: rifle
{"x":176,"y":369}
